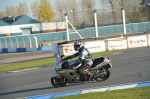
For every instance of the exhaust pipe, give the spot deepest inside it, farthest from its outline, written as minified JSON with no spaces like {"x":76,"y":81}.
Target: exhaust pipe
{"x":100,"y":74}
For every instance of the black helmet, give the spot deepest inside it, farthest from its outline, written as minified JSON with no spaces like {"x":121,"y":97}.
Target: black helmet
{"x":77,"y":45}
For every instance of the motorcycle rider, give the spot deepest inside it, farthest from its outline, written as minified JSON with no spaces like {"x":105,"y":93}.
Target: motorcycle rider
{"x":85,"y":59}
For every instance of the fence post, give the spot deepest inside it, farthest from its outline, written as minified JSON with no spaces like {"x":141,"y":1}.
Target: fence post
{"x":123,"y":18}
{"x":17,"y":42}
{"x":30,"y":42}
{"x":23,"y":42}
{"x":95,"y":18}
{"x":67,"y":30}
{"x":10,"y":42}
{"x":5,"y":43}
{"x":36,"y":42}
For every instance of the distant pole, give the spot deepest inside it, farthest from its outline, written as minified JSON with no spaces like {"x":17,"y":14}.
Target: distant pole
{"x":10,"y":42}
{"x":67,"y":30}
{"x":17,"y":42}
{"x":95,"y":17}
{"x":5,"y":42}
{"x":23,"y":42}
{"x":30,"y":42}
{"x":36,"y":42}
{"x":124,"y":21}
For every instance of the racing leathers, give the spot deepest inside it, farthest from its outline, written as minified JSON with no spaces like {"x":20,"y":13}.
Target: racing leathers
{"x":85,"y":60}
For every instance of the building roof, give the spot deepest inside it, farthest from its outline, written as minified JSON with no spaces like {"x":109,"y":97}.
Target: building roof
{"x":2,"y":23}
{"x":17,"y":20}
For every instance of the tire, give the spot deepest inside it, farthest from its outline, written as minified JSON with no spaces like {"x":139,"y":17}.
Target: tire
{"x":104,"y":77}
{"x":59,"y":82}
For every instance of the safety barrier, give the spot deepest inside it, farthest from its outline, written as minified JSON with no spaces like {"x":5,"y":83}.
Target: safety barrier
{"x":105,"y":45}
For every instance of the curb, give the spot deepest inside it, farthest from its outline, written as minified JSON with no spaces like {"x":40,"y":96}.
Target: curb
{"x":83,"y":91}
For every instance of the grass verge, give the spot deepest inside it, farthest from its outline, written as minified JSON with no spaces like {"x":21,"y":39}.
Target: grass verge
{"x":131,"y":93}
{"x":45,"y":62}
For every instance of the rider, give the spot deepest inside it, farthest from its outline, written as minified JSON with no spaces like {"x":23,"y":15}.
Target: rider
{"x":85,"y":58}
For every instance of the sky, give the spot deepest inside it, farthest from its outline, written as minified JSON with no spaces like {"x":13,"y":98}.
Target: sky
{"x":5,"y":3}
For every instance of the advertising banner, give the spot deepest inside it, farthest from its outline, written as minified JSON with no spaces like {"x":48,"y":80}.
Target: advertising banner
{"x":116,"y":43}
{"x":92,"y":46}
{"x":137,"y":41}
{"x":66,"y":49}
{"x":95,"y":46}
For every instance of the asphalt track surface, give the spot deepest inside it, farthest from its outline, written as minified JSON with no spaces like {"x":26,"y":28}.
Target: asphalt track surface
{"x":129,"y":67}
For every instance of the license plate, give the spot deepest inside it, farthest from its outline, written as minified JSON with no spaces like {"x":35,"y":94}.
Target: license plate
{"x":110,"y":65}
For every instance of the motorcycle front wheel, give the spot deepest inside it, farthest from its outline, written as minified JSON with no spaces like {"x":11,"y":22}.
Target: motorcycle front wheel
{"x":105,"y":76}
{"x":59,"y":82}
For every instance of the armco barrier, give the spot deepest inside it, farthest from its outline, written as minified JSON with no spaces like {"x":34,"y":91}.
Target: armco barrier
{"x":101,"y":89}
{"x":5,"y":50}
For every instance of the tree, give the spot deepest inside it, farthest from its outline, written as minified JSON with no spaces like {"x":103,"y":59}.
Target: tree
{"x":7,"y":11}
{"x":2,"y":14}
{"x":60,"y":7}
{"x":46,"y":12}
{"x":73,"y":7}
{"x":111,"y":2}
{"x":13,"y":11}
{"x":35,"y":10}
{"x":22,"y":9}
{"x":89,"y":5}
{"x":146,"y":8}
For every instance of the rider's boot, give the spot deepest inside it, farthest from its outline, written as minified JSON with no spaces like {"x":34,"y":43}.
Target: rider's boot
{"x":90,"y":76}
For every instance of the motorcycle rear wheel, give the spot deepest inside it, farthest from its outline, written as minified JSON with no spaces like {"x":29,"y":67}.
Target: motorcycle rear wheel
{"x":104,"y":77}
{"x":59,"y":82}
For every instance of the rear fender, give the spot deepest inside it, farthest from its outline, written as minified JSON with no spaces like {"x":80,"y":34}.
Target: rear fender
{"x":109,"y":65}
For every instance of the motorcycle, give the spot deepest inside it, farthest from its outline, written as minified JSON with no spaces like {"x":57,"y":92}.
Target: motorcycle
{"x":67,"y":73}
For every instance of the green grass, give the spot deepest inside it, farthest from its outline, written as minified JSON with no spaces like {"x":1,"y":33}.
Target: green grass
{"x":131,"y":93}
{"x":45,"y":62}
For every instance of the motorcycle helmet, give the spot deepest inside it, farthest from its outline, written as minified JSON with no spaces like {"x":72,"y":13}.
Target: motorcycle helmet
{"x":77,"y":45}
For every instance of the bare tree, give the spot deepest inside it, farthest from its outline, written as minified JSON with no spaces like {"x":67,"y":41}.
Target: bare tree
{"x":89,"y":5}
{"x":7,"y":11}
{"x":22,"y":9}
{"x":60,"y":7}
{"x":35,"y":10}
{"x":13,"y":11}
{"x":74,"y":8}
{"x":2,"y":14}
